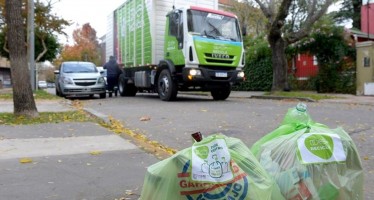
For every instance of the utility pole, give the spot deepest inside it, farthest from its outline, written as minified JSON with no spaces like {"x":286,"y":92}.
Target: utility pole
{"x":31,"y":42}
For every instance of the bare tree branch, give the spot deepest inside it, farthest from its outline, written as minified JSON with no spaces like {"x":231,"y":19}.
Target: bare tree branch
{"x":45,"y":49}
{"x":266,"y":10}
{"x":5,"y":45}
{"x":310,"y":20}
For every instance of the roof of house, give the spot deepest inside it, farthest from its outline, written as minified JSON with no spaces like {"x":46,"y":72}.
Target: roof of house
{"x":361,"y":34}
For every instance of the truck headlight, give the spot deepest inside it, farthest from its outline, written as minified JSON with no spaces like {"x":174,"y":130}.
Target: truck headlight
{"x":195,"y":72}
{"x":241,"y":74}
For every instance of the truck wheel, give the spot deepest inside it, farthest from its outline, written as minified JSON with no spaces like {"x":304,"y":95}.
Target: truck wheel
{"x":221,"y":94}
{"x":122,"y":86}
{"x":57,"y":93}
{"x":126,"y":89}
{"x":166,"y":87}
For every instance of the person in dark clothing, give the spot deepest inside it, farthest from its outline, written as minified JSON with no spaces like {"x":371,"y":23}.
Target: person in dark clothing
{"x":113,"y":71}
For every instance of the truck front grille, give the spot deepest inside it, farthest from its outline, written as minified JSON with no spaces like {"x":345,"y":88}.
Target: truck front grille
{"x":219,"y":58}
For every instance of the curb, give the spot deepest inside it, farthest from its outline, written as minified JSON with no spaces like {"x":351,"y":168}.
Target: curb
{"x":283,"y":98}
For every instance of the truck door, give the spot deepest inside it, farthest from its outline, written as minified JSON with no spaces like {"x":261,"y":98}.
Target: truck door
{"x":174,"y":38}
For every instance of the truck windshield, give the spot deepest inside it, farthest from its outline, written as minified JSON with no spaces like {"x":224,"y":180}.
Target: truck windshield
{"x":213,"y":25}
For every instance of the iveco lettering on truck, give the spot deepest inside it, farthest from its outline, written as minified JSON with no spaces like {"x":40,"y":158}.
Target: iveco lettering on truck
{"x":164,"y":49}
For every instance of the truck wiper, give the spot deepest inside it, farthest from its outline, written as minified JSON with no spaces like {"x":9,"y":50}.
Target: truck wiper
{"x":209,"y":35}
{"x":215,"y":29}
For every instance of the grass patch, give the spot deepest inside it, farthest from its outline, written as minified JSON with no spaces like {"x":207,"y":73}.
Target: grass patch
{"x":38,"y":94}
{"x":313,"y":96}
{"x":47,"y":117}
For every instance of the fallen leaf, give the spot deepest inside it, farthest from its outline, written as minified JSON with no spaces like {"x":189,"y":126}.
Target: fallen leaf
{"x":145,"y":118}
{"x":366,"y":158}
{"x":129,"y":192}
{"x":25,"y":160}
{"x":95,"y":153}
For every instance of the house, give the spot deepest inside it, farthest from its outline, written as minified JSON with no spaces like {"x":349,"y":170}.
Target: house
{"x":305,"y":66}
{"x":5,"y":79}
{"x":365,"y":50}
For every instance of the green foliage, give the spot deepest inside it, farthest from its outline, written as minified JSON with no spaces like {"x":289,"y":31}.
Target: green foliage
{"x":53,"y":48}
{"x":50,"y":41}
{"x":38,"y":94}
{"x":45,"y":117}
{"x":258,"y":69}
{"x":335,"y":56}
{"x":47,"y":26}
{"x":308,"y":85}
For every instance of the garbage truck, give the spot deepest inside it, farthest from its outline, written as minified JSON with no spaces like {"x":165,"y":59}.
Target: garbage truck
{"x":166,"y":46}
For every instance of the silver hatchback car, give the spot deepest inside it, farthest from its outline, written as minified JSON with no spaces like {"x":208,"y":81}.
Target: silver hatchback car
{"x":76,"y":78}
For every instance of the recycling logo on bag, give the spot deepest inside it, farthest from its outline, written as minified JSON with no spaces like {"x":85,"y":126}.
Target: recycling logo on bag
{"x":211,"y":174}
{"x":320,"y":148}
{"x":210,"y":162}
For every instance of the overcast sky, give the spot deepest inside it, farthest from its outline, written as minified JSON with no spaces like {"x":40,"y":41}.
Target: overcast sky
{"x":80,"y":12}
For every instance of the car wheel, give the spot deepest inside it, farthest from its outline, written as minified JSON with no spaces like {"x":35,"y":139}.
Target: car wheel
{"x":166,"y":87}
{"x":102,"y":95}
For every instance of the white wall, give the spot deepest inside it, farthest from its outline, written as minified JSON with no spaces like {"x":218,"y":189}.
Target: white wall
{"x":109,"y":51}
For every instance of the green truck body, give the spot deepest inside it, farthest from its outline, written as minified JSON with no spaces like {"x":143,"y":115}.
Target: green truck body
{"x":165,"y":49}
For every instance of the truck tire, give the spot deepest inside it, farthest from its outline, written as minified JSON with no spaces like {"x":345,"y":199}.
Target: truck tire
{"x":166,"y":87}
{"x":221,"y":94}
{"x":126,"y":89}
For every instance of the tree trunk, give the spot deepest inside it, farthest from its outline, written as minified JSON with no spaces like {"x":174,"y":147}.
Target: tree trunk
{"x":23,"y":99}
{"x":279,"y":61}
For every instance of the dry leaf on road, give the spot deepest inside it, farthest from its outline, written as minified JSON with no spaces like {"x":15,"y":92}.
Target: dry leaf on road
{"x":145,"y":118}
{"x":25,"y":160}
{"x":95,"y":153}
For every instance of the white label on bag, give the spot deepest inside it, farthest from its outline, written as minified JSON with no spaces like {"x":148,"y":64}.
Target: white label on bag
{"x":211,"y":162}
{"x":321,"y":148}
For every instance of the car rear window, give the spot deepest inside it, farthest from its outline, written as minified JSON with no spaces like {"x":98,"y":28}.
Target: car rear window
{"x":79,"y":68}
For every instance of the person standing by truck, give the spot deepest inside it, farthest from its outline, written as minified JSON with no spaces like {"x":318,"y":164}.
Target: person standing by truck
{"x":113,"y":71}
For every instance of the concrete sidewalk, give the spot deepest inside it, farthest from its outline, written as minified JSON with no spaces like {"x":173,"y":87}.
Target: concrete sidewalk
{"x":68,"y":160}
{"x":62,"y":105}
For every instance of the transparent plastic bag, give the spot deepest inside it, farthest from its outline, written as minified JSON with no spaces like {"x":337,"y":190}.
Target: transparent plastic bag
{"x":218,"y":167}
{"x":310,"y":161}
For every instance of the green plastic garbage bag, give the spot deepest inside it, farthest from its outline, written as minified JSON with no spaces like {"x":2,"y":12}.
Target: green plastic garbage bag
{"x":310,"y":161}
{"x":216,"y":168}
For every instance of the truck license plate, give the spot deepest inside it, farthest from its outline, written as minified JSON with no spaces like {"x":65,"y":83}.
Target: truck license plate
{"x":221,"y":74}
